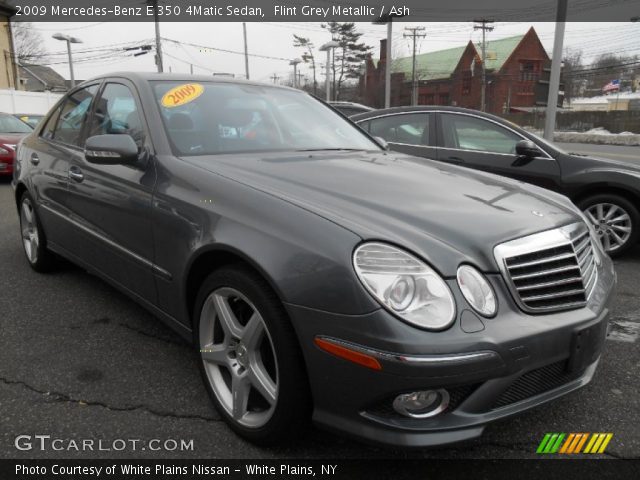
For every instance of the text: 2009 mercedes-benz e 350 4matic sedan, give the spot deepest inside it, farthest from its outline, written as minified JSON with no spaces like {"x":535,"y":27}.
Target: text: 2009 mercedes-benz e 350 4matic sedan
{"x":319,"y":276}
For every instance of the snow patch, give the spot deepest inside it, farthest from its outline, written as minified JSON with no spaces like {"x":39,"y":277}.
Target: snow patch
{"x":596,"y":135}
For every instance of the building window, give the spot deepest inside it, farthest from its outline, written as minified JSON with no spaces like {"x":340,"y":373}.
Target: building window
{"x":529,"y":71}
{"x":429,"y":99}
{"x":466,"y":82}
{"x":443,"y":99}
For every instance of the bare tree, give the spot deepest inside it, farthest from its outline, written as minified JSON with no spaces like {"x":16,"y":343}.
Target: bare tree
{"x":307,"y":56}
{"x":574,"y":86}
{"x":28,"y":44}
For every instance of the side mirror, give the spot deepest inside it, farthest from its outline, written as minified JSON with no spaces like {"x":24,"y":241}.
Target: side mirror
{"x":528,"y":149}
{"x":382,"y":142}
{"x":111,"y":150}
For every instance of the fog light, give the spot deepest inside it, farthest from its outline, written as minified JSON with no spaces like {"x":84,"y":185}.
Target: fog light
{"x":425,"y":404}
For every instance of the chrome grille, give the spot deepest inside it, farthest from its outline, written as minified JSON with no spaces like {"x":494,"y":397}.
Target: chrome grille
{"x":552,"y":270}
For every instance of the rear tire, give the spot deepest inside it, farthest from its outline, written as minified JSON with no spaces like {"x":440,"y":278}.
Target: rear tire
{"x":34,"y":240}
{"x":615,"y":219}
{"x":249,"y":357}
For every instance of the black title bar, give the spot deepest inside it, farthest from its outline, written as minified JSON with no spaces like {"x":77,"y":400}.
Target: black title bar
{"x":319,"y":10}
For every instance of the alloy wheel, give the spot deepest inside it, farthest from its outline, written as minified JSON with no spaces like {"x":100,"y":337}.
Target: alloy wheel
{"x":612,"y":224}
{"x":29,"y":228}
{"x":239,"y":358}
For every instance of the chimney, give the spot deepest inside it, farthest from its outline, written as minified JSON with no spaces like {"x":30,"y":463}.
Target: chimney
{"x":383,"y":51}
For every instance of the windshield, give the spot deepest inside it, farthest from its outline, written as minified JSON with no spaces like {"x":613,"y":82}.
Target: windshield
{"x":210,"y":118}
{"x":10,"y":124}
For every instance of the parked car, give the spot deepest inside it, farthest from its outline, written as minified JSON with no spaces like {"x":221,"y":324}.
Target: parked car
{"x":11,"y":131}
{"x":607,"y":191}
{"x":30,"y":119}
{"x":402,"y":301}
{"x":350,"y":108}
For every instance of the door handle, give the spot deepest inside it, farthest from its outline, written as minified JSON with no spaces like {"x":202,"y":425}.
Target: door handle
{"x":456,"y":159}
{"x":35,"y":160}
{"x":76,"y":174}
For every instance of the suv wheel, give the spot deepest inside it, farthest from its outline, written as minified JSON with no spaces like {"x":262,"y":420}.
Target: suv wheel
{"x":249,"y":357}
{"x":615,"y":219}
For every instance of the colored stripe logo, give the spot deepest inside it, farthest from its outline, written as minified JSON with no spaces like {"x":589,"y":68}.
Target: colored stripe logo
{"x":571,"y":443}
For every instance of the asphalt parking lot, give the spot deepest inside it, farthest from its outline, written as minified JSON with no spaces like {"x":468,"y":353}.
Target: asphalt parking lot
{"x":79,"y":360}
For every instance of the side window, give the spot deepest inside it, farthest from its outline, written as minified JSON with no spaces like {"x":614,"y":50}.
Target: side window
{"x":365,"y":125}
{"x":471,"y":133}
{"x":73,"y":116}
{"x":47,"y":131}
{"x":411,"y":128}
{"x":116,"y":112}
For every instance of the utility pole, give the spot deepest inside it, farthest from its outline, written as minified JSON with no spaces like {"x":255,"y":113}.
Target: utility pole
{"x":246,"y":51}
{"x":415,"y":35}
{"x":154,"y":4}
{"x":275,"y":78}
{"x":485,"y":28}
{"x":556,"y":66}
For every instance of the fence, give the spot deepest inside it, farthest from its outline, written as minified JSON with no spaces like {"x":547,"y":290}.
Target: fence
{"x":614,"y":121}
{"x":35,"y":103}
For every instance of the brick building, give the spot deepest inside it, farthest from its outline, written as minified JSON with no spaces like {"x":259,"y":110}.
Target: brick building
{"x":454,"y":76}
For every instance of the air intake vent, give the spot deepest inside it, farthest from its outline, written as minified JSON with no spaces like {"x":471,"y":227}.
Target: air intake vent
{"x":552,"y":270}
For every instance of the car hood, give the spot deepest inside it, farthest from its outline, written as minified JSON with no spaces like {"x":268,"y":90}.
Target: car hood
{"x":12,"y":138}
{"x":446,"y":214}
{"x":602,"y":163}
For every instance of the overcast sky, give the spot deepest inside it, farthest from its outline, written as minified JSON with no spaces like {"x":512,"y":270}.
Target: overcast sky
{"x":275,"y":40}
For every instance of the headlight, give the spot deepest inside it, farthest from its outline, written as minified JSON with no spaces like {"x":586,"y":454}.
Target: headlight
{"x":477,"y":290}
{"x":405,"y":285}
{"x":4,"y":151}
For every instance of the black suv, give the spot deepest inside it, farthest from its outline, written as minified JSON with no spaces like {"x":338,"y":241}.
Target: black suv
{"x":608,"y":192}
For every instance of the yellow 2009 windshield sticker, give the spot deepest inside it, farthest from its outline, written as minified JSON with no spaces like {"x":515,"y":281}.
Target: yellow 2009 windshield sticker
{"x":182,"y":94}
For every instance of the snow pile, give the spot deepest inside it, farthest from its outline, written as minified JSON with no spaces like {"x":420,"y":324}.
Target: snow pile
{"x":595,"y":135}
{"x":606,"y":98}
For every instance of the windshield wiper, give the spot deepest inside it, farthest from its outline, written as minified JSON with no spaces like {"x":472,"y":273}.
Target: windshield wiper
{"x":330,"y":150}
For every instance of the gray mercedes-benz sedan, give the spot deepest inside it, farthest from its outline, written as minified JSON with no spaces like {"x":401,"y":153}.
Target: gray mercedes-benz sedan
{"x":319,"y":276}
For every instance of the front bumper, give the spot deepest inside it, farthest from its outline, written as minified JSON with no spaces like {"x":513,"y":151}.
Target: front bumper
{"x":510,"y":363}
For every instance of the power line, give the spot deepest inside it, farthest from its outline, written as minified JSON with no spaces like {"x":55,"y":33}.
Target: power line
{"x":223,"y":50}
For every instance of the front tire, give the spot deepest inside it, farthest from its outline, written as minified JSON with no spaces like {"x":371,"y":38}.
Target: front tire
{"x":34,"y":241}
{"x":615,"y":219}
{"x":250,"y":360}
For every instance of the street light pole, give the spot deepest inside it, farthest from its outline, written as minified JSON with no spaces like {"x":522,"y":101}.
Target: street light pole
{"x":295,"y":63}
{"x":69,"y":40}
{"x":327,"y":47}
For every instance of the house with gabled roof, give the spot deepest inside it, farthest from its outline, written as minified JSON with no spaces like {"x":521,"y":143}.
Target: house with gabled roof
{"x":453,"y":76}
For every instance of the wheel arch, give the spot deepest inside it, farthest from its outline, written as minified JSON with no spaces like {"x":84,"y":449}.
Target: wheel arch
{"x":607,"y":188}
{"x":211,"y":258}
{"x":20,"y":189}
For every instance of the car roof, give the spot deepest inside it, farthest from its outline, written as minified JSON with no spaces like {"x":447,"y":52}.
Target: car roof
{"x":422,"y":108}
{"x":349,"y":104}
{"x":143,"y":77}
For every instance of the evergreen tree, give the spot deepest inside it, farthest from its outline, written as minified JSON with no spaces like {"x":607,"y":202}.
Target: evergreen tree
{"x":348,"y":56}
